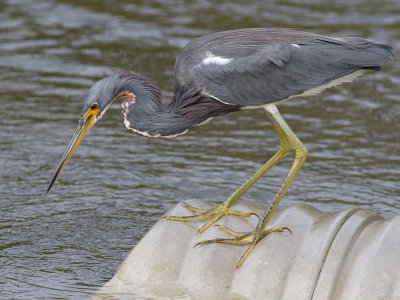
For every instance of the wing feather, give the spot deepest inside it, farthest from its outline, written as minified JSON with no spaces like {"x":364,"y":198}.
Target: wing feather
{"x":262,"y":66}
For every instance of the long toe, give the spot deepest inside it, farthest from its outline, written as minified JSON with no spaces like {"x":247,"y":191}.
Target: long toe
{"x":242,"y":238}
{"x":220,"y":241}
{"x":233,"y":233}
{"x":211,"y":215}
{"x":193,"y":208}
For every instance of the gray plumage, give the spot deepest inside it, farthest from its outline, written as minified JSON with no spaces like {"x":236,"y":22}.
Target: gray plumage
{"x":267,"y":65}
{"x":227,"y":71}
{"x":223,"y":72}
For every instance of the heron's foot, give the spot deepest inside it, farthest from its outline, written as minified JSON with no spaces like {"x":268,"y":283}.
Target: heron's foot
{"x":212,"y":215}
{"x":240,"y":238}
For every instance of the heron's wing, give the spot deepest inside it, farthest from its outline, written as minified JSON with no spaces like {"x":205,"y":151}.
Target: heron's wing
{"x":279,"y":70}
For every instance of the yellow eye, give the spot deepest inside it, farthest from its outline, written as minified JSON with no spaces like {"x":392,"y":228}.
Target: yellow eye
{"x":94,"y":106}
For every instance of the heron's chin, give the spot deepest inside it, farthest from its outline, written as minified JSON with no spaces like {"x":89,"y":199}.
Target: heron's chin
{"x":85,"y":123}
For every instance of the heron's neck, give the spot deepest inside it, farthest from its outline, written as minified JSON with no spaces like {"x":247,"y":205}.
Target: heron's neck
{"x":188,"y":109}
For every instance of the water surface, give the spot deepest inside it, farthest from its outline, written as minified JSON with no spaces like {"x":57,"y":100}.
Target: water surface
{"x":67,"y":244}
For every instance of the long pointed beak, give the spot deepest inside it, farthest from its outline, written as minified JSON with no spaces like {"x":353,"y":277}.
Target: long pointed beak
{"x":80,"y":132}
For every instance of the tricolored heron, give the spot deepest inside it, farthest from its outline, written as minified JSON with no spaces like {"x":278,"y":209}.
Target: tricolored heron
{"x":228,"y":71}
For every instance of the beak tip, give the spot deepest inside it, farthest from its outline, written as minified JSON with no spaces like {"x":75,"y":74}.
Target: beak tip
{"x":48,"y":189}
{"x":50,"y":185}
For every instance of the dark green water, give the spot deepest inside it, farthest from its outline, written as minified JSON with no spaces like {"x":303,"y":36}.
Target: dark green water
{"x":67,"y":244}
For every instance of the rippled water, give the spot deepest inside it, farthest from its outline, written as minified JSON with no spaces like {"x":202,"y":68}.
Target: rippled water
{"x":70,"y":242}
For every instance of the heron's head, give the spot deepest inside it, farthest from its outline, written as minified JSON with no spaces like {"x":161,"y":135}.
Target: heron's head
{"x":95,"y":104}
{"x":99,"y":97}
{"x":129,"y":85}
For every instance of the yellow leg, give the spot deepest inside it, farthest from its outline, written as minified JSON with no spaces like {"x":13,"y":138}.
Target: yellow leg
{"x":213,"y":215}
{"x":289,"y":139}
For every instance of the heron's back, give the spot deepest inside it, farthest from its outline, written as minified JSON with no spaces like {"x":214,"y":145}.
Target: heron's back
{"x":257,"y":66}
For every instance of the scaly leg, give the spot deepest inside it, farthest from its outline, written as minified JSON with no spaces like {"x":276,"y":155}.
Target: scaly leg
{"x":286,"y":136}
{"x":214,"y":214}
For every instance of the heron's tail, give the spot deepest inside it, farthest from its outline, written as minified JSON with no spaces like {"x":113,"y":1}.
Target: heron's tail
{"x":370,"y":55}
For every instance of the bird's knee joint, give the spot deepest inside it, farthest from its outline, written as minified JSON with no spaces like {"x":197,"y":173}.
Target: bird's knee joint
{"x":285,"y":149}
{"x":301,"y":151}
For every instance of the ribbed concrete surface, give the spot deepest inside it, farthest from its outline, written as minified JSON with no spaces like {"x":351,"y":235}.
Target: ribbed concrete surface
{"x":351,"y":254}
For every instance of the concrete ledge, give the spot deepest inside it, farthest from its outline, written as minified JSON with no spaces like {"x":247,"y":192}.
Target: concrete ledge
{"x":351,"y":254}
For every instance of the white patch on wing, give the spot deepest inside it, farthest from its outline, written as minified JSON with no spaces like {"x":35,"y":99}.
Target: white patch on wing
{"x":295,"y":45}
{"x":212,"y":59}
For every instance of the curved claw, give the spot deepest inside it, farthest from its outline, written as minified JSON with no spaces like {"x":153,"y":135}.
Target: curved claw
{"x":256,"y":215}
{"x":287,"y":229}
{"x":275,"y":229}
